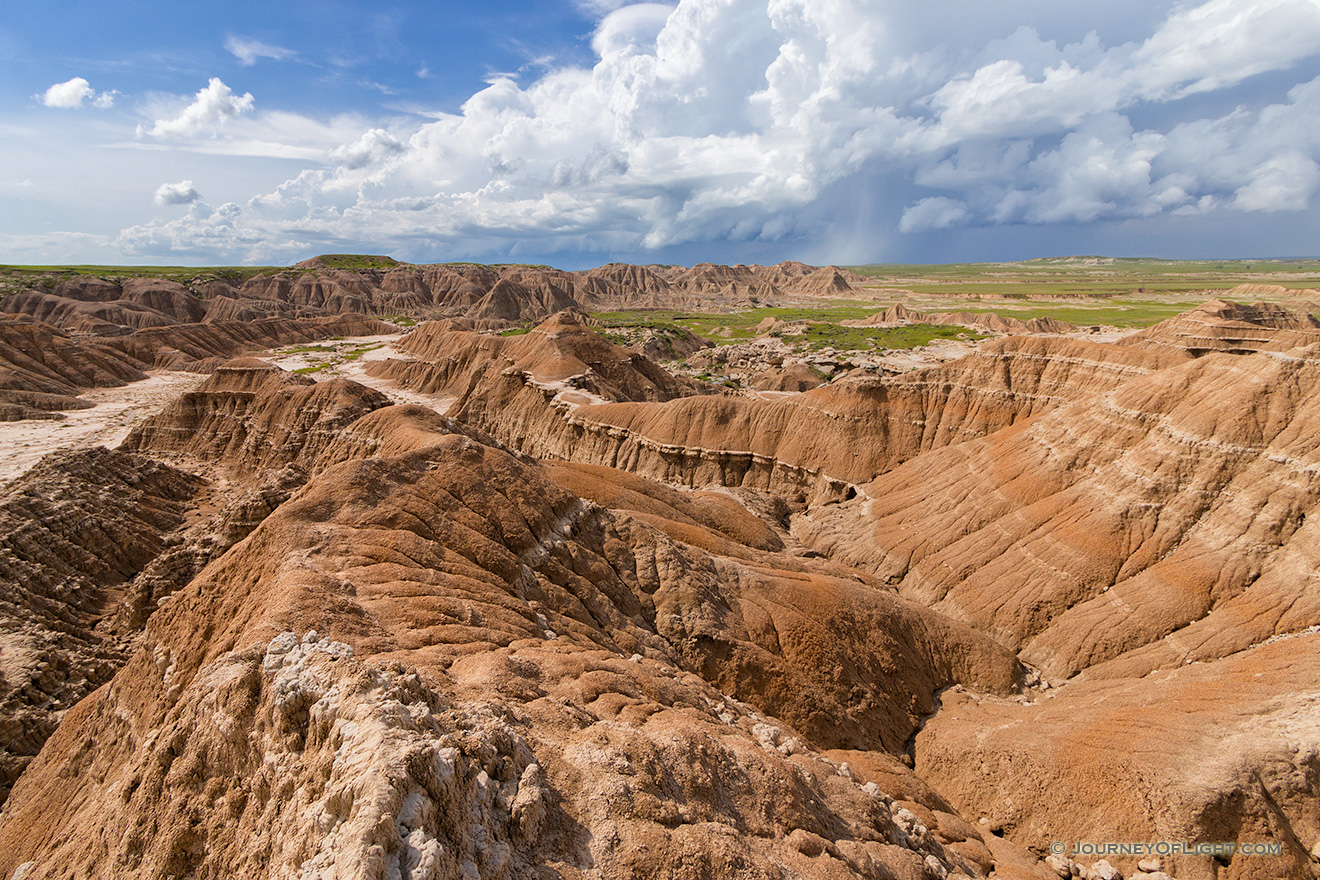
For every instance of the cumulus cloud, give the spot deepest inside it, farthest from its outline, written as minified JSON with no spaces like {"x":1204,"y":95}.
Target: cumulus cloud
{"x":181,"y":193}
{"x":729,"y":120}
{"x":936,"y":212}
{"x":75,"y":94}
{"x":1284,"y":182}
{"x":374,"y":146}
{"x":210,"y":111}
{"x":249,"y":51}
{"x":634,"y":27}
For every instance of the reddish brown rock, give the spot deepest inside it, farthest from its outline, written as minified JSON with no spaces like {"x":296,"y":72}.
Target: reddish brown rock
{"x":1219,"y":325}
{"x":560,"y":668}
{"x":74,"y":531}
{"x":518,"y":680}
{"x":250,"y":418}
{"x":900,"y":314}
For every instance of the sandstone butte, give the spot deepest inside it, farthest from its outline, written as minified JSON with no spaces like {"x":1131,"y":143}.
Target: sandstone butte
{"x":583,"y":618}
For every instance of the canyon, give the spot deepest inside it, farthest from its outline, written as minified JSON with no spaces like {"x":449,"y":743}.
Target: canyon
{"x":390,"y":571}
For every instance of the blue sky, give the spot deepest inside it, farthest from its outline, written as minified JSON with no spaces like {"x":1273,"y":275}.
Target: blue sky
{"x":577,"y":133}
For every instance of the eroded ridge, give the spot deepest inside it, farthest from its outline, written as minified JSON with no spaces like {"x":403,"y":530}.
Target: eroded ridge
{"x":595,"y":619}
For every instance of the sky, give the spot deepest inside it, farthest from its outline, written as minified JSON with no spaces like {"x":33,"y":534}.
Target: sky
{"x":582,"y":132}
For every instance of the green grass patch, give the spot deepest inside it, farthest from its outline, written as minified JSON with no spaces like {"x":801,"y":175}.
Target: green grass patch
{"x":307,"y":349}
{"x":1080,"y":268}
{"x":730,"y":327}
{"x":1091,"y":277}
{"x":822,"y":327}
{"x":1117,"y":313}
{"x":361,"y":350}
{"x":356,"y":261}
{"x":185,"y":275}
{"x":824,"y":335}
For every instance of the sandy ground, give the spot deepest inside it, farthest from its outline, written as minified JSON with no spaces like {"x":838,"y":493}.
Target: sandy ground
{"x":117,"y":410}
{"x":347,"y":358}
{"x":107,"y":423}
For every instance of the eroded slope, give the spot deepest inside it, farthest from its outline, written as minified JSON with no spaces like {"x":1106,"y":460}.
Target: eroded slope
{"x":512,"y":680}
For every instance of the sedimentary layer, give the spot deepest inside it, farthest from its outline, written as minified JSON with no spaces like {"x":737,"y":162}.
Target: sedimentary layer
{"x":504,"y":679}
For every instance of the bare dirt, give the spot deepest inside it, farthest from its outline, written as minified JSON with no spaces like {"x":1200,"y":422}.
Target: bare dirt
{"x":114,"y":412}
{"x":448,"y":603}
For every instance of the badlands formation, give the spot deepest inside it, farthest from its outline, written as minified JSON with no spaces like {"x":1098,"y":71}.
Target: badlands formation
{"x":483,"y":605}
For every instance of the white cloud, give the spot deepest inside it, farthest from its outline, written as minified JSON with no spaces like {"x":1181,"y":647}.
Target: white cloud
{"x":728,"y":119}
{"x":75,"y":94}
{"x":631,"y":28}
{"x":211,"y":110}
{"x":1262,"y":161}
{"x":1221,"y":43}
{"x":1284,"y":182}
{"x":600,"y":8}
{"x":374,"y":146}
{"x":206,"y":231}
{"x":181,"y":193}
{"x":54,"y":248}
{"x":935,"y":212}
{"x":249,"y":51}
{"x":1199,"y":49}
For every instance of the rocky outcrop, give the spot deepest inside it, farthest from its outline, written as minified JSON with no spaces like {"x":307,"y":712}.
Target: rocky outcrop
{"x":1118,"y":544}
{"x":104,"y":319}
{"x":504,"y":679}
{"x":766,"y":282}
{"x":42,"y":369}
{"x":1181,"y":489}
{"x":39,"y":358}
{"x":578,"y":399}
{"x":327,"y":287}
{"x":1221,"y":751}
{"x":109,"y":308}
{"x":563,"y":354}
{"x":182,"y":346}
{"x":623,"y":286}
{"x":898,"y":315}
{"x":249,"y":418}
{"x":1219,"y":325}
{"x":74,"y":531}
{"x":897,"y":626}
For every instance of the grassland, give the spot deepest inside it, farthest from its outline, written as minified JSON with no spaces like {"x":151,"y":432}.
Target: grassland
{"x":48,"y":277}
{"x":1082,"y":291}
{"x":318,"y":357}
{"x":728,"y":327}
{"x":1096,"y":277}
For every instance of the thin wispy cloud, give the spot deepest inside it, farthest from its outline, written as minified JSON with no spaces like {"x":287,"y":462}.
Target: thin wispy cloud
{"x":249,"y":51}
{"x":600,"y":8}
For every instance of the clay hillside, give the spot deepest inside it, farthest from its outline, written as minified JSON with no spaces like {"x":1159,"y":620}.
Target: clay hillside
{"x":484,"y":593}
